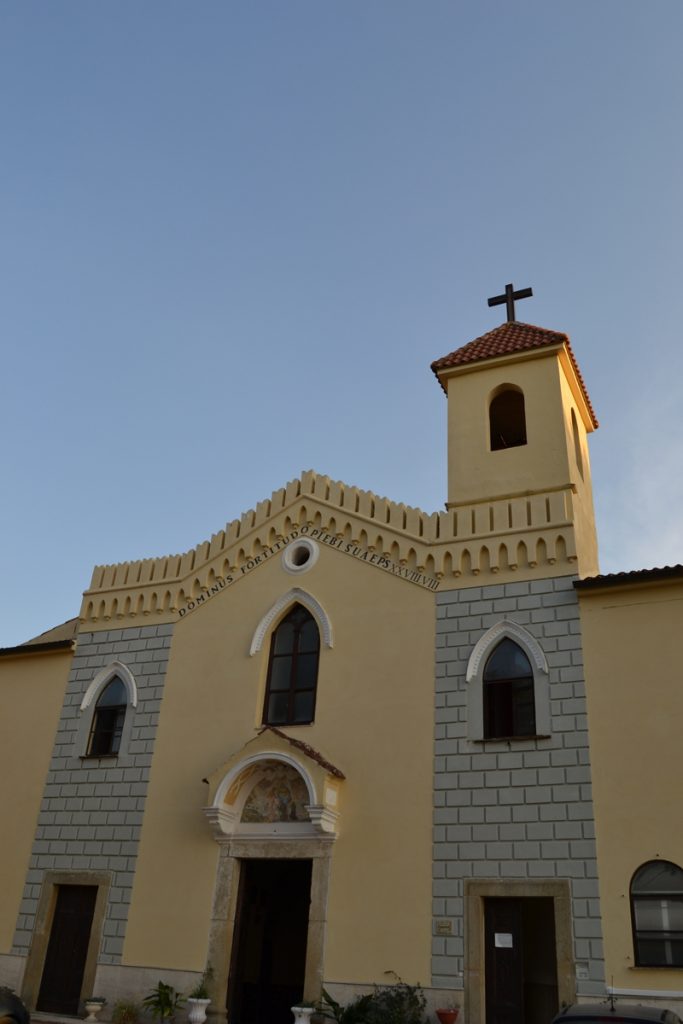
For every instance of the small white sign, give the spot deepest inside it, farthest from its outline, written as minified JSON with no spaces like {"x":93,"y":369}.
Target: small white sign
{"x":503,"y":940}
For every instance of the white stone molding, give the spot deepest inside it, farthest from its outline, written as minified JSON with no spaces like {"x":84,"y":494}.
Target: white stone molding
{"x":300,"y":556}
{"x":475,"y":672}
{"x":263,"y":755}
{"x":490,"y":639}
{"x":222,"y":821}
{"x":323,"y":818}
{"x":104,"y":676}
{"x":294,"y":596}
{"x":225,"y":821}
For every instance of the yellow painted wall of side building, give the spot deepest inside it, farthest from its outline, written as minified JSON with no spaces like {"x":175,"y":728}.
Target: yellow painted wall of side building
{"x":633,"y":677}
{"x":32,"y":686}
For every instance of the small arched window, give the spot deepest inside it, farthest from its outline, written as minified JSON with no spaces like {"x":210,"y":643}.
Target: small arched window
{"x":293,"y":670}
{"x":657,"y":914}
{"x":509,"y":708}
{"x":108,"y":719}
{"x":507,"y":420}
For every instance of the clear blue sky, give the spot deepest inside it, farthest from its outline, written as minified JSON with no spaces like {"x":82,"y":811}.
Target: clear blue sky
{"x":233,"y":236}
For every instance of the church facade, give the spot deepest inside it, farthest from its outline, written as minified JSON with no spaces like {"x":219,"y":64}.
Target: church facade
{"x":345,"y":740}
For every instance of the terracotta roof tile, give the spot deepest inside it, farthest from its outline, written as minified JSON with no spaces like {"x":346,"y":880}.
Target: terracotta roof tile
{"x":306,"y":749}
{"x":505,"y":340}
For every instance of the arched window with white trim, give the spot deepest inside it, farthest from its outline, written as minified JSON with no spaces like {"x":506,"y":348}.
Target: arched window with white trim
{"x":508,"y":693}
{"x":292,"y":670}
{"x":107,"y":721}
{"x":107,"y":712}
{"x":657,"y":914}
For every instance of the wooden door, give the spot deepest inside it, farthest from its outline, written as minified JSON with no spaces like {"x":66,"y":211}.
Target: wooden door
{"x":269,"y":947}
{"x":520,"y":960}
{"x":67,"y":949}
{"x":504,"y":963}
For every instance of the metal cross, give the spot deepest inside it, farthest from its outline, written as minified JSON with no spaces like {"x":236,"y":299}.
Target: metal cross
{"x":509,"y":299}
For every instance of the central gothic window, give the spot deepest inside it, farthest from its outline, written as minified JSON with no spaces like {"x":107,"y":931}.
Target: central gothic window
{"x":292,"y":670}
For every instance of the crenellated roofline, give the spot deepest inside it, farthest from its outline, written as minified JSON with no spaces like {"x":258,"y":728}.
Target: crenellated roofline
{"x":519,"y":536}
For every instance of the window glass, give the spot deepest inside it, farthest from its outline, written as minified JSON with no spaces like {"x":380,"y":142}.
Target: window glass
{"x":293,"y":670}
{"x":657,"y":913}
{"x":108,"y":719}
{"x":509,"y":704}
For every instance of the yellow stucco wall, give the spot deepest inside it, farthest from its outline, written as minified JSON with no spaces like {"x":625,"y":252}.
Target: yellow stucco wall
{"x":478,"y":474}
{"x":373,"y":719}
{"x":633,"y":677}
{"x":32,"y":688}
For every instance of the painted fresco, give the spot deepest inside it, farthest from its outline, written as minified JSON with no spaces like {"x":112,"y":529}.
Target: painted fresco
{"x":279,"y":795}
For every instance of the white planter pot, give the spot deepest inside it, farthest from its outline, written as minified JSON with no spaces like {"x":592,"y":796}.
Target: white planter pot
{"x":197,"y":1010}
{"x":302,"y":1014}
{"x":92,"y":1009}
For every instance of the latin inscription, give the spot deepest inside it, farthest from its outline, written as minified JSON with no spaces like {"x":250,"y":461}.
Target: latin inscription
{"x":347,"y":547}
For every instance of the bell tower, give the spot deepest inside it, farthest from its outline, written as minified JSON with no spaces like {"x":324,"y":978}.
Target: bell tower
{"x":519,"y":417}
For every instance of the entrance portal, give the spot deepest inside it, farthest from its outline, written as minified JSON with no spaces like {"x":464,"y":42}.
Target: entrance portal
{"x":60,"y":987}
{"x":521,"y":962}
{"x":269,"y":948}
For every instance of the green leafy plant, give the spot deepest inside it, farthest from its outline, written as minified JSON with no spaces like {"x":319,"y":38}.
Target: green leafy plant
{"x":356,"y":1012}
{"x":163,"y":1001}
{"x":399,"y":1003}
{"x":125,"y":1012}
{"x":201,"y":991}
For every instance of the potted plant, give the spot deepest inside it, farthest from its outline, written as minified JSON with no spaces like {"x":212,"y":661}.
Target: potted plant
{"x":93,"y":1006}
{"x":448,"y":1014}
{"x":125,"y":1012}
{"x":303,"y":1011}
{"x":162,"y":1002}
{"x":199,"y":998}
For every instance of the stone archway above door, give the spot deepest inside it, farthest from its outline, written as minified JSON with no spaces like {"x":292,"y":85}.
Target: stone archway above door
{"x":275,"y":787}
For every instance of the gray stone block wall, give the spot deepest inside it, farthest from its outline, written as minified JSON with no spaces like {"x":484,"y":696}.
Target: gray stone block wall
{"x":91,"y":812}
{"x":513,"y":810}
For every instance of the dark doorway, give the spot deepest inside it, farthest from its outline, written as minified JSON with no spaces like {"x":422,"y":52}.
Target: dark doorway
{"x":269,"y":949}
{"x":521,"y":963}
{"x":67,"y":949}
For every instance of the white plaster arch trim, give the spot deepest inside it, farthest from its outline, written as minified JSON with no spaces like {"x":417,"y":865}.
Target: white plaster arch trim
{"x":294,"y":596}
{"x":264,"y":755}
{"x":506,"y":628}
{"x":116,"y":668}
{"x":475,"y":671}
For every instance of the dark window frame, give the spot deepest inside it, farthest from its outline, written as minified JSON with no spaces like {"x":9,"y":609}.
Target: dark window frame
{"x":506,"y":700}
{"x":666,"y":936}
{"x":106,"y":728}
{"x":294,"y":670}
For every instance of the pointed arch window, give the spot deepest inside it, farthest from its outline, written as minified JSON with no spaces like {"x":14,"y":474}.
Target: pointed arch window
{"x":293,"y":670}
{"x":507,"y":419}
{"x":108,"y":719}
{"x":509,"y":706}
{"x":657,"y":914}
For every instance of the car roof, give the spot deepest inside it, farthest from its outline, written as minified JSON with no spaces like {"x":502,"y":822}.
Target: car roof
{"x":628,"y":1013}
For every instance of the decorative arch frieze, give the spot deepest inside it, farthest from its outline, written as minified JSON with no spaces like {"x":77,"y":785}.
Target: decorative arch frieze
{"x":484,"y":541}
{"x":294,"y":596}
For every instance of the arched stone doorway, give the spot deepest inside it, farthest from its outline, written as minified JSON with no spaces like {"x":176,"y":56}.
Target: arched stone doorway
{"x":274,"y":815}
